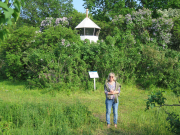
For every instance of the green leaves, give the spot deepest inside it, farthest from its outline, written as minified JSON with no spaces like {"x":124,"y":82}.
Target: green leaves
{"x":105,"y":10}
{"x":5,"y":18}
{"x":7,"y":13}
{"x":155,"y":98}
{"x":174,"y":121}
{"x":35,"y":11}
{"x":157,"y":4}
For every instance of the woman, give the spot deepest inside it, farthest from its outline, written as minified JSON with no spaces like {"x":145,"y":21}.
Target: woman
{"x":112,"y":90}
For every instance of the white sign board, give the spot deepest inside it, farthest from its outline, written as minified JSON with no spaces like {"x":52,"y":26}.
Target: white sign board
{"x":93,"y":74}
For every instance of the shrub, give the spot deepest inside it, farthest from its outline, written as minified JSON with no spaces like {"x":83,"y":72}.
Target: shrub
{"x":13,"y":50}
{"x":20,"y":62}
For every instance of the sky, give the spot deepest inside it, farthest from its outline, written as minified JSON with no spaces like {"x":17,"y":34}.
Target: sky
{"x":78,"y":5}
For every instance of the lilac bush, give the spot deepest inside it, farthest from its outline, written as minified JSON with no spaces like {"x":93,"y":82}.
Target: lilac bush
{"x":146,"y":29}
{"x":46,"y":22}
{"x":142,"y":18}
{"x":118,"y":19}
{"x":169,"y":13}
{"x":128,"y":19}
{"x":49,"y":22}
{"x":150,"y":38}
{"x":161,"y":30}
{"x":145,"y":38}
{"x":63,"y":21}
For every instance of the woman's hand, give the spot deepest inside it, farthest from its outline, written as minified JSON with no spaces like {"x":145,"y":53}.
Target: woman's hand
{"x":116,"y":92}
{"x":110,"y":93}
{"x":113,"y":92}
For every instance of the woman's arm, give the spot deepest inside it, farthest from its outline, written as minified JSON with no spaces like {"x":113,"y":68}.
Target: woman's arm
{"x":106,"y":92}
{"x":110,"y":93}
{"x":115,"y":92}
{"x":118,"y":91}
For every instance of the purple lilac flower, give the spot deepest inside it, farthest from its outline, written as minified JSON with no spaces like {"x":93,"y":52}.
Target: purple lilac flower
{"x":62,"y":21}
{"x":128,"y":18}
{"x":68,"y":45}
{"x":62,"y":41}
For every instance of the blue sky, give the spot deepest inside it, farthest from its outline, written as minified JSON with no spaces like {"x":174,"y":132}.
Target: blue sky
{"x":78,"y":5}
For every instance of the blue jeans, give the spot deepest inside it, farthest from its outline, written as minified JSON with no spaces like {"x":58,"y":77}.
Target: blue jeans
{"x":111,"y":104}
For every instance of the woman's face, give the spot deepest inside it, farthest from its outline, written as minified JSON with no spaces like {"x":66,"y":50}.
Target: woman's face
{"x":111,"y":78}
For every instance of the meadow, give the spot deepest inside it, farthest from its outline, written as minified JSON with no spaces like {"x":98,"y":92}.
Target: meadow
{"x":44,"y":111}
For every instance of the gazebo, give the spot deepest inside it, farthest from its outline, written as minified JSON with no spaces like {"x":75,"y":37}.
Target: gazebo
{"x":88,"y":29}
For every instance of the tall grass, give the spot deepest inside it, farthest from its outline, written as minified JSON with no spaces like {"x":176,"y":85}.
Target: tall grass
{"x":42,"y":111}
{"x":44,"y":118}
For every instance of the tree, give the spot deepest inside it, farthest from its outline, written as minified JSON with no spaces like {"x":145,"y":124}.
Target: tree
{"x":104,"y":10}
{"x":75,"y":18}
{"x":176,"y":34}
{"x":131,"y":4}
{"x":157,"y":4}
{"x":8,"y":9}
{"x":35,"y":11}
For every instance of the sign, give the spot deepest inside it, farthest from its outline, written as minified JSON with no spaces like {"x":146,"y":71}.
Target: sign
{"x":93,"y":74}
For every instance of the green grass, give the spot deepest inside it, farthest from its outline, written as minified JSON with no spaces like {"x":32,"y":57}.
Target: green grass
{"x":132,"y":119}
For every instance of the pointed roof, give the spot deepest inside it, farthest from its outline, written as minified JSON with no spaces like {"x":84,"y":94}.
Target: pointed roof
{"x":87,"y":23}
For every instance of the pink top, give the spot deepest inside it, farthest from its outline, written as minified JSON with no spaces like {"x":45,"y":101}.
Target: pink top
{"x":111,"y":87}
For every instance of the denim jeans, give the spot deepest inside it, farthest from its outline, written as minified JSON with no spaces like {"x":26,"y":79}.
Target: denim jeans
{"x":111,"y":104}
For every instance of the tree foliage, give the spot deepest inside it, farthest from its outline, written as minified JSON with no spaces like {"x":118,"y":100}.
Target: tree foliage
{"x":35,"y":11}
{"x":75,"y":18}
{"x":160,"y":4}
{"x":7,"y":12}
{"x":104,"y":10}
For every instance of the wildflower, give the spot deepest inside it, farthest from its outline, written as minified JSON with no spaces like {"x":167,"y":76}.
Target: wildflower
{"x":68,"y":45}
{"x":62,"y":41}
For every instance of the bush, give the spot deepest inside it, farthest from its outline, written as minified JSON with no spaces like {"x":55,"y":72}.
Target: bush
{"x":20,"y":62}
{"x":13,"y":51}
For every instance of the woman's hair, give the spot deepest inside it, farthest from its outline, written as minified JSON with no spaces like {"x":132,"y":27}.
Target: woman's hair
{"x":111,"y":74}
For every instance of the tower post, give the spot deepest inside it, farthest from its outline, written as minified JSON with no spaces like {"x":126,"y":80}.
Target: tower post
{"x":87,"y":13}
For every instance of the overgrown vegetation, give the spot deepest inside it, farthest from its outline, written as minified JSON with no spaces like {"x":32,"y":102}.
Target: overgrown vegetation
{"x":42,"y":110}
{"x":141,"y":46}
{"x":139,"y":50}
{"x":44,"y":118}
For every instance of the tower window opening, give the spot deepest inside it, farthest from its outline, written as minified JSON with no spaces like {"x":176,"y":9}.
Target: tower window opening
{"x":89,"y":31}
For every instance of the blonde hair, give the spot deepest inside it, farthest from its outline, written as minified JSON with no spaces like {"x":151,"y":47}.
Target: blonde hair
{"x":111,"y":74}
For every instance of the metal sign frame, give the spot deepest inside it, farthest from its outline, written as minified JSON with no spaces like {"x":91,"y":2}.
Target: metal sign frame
{"x":94,"y":74}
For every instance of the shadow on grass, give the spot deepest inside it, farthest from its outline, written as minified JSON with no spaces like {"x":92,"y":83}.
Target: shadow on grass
{"x":14,"y":83}
{"x":112,"y":131}
{"x":145,"y":130}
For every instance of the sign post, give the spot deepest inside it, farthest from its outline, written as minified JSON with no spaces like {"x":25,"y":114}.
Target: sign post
{"x":94,"y":84}
{"x":94,"y":74}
